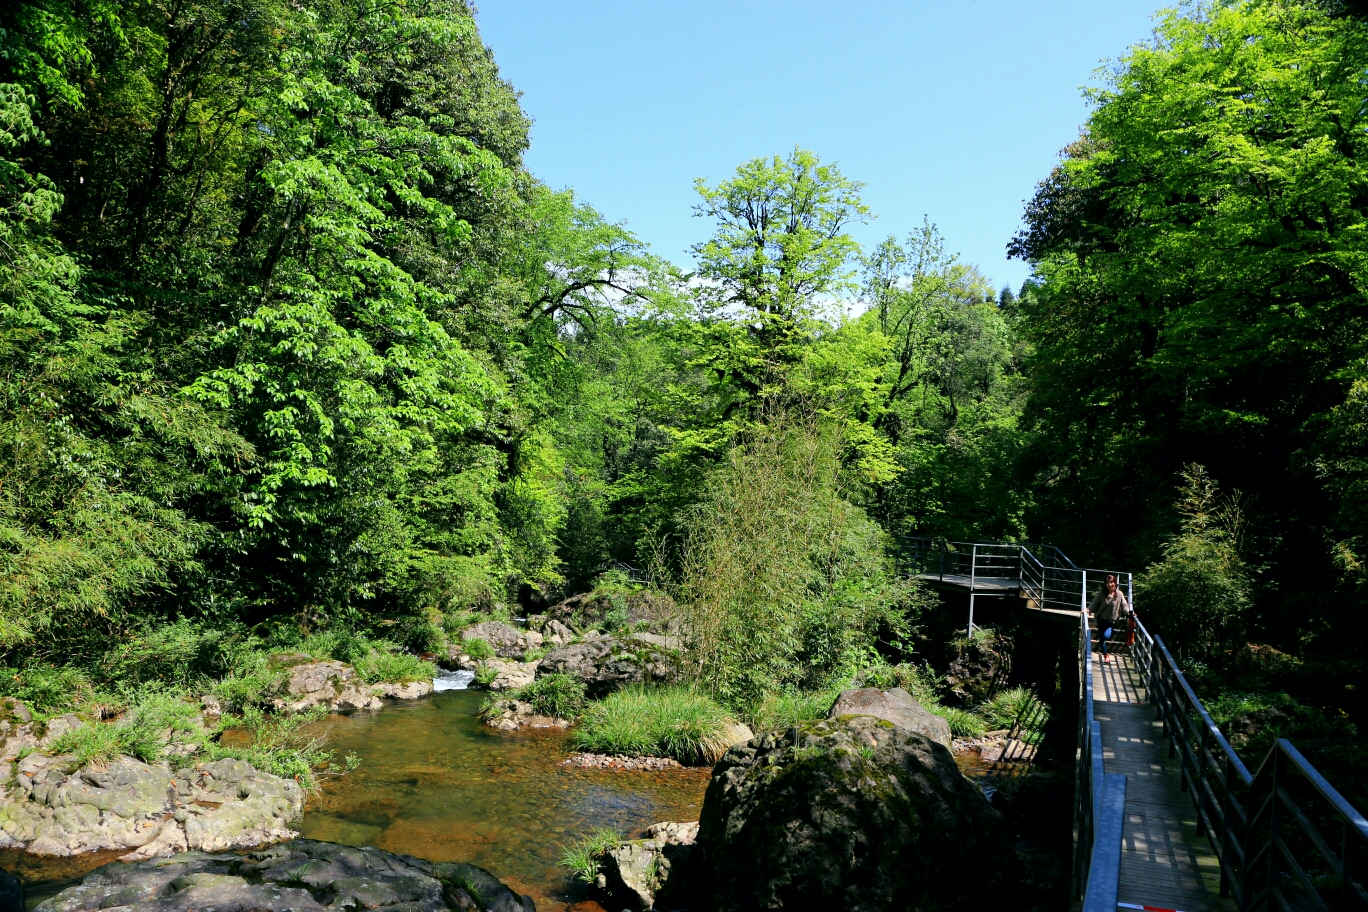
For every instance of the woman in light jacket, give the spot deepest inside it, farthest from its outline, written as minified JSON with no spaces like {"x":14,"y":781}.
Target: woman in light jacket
{"x":1111,"y":609}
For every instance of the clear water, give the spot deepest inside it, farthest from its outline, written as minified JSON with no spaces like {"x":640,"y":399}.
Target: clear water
{"x":436,"y":783}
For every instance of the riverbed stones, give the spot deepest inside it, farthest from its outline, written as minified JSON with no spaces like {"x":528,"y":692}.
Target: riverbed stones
{"x":49,"y":809}
{"x":649,"y":872}
{"x":512,"y":715}
{"x":850,"y":813}
{"x":896,"y":706}
{"x":508,"y":642}
{"x":608,"y":663}
{"x":298,"y":876}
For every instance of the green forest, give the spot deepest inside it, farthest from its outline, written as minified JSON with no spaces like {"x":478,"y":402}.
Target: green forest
{"x":294,"y":349}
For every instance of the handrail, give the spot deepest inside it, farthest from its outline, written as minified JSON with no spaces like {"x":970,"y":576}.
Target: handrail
{"x":1100,"y":799}
{"x":1270,"y":830}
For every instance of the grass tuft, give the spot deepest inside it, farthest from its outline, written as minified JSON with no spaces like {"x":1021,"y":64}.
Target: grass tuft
{"x":478,"y":649}
{"x":1017,"y":708}
{"x":781,"y":709}
{"x":963,"y":723}
{"x":675,"y":721}
{"x":582,"y":857}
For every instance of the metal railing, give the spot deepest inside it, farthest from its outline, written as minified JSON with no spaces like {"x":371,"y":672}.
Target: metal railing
{"x":1099,"y":799}
{"x":1285,"y":838}
{"x":1043,"y":575}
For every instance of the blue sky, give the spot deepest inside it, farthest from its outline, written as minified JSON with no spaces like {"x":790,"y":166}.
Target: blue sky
{"x":953,"y":109}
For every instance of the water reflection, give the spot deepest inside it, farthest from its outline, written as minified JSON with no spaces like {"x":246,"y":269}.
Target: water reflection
{"x":435,"y":783}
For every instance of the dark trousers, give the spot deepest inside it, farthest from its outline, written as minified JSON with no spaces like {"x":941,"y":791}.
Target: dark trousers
{"x":1103,"y":636}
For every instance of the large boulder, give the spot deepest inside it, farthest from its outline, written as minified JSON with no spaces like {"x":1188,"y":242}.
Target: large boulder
{"x":11,"y":893}
{"x":979,"y":667}
{"x":607,"y":663}
{"x":557,"y":634}
{"x":645,"y":608}
{"x":310,"y":682}
{"x":298,"y":876}
{"x":852,"y":813}
{"x":508,"y":642}
{"x":509,"y":675}
{"x":145,"y":811}
{"x":896,"y":706}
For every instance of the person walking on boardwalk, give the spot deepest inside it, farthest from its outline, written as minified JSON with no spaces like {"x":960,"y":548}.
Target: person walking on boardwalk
{"x":1111,"y":609}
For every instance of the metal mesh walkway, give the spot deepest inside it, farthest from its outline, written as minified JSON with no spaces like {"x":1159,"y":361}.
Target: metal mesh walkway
{"x":1165,"y":862}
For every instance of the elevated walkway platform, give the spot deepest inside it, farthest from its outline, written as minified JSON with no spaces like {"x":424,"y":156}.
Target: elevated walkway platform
{"x":1167,"y":817}
{"x":1165,"y":861}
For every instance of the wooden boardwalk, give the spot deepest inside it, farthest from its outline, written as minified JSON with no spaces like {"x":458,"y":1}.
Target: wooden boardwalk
{"x":1165,"y":863}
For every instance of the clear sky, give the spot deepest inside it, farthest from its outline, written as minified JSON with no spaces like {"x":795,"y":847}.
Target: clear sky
{"x":949,"y":108}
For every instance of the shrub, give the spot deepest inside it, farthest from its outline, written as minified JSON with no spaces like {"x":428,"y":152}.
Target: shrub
{"x":1198,"y":594}
{"x":47,"y":688}
{"x":678,"y":722}
{"x":478,"y":649}
{"x":453,"y":622}
{"x":178,"y":653}
{"x":485,"y":675}
{"x":1016,"y":708}
{"x":558,"y":695}
{"x":782,"y":579}
{"x":582,"y":858}
{"x":918,"y":680}
{"x":963,"y":723}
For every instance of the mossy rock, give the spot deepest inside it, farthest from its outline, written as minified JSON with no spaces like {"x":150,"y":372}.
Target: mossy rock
{"x":850,"y":813}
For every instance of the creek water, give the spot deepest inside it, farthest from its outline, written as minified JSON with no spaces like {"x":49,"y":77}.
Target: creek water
{"x":436,"y":783}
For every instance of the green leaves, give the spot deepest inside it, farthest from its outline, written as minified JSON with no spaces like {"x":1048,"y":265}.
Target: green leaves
{"x":1202,"y":257}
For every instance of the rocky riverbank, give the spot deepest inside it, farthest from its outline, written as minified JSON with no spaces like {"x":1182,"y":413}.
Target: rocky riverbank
{"x":65,"y":792}
{"x":51,"y":805}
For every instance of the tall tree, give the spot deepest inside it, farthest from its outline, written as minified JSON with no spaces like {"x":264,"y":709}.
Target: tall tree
{"x":781,"y":249}
{"x":1202,"y":287}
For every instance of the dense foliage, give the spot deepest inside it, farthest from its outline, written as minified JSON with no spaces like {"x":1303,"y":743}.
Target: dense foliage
{"x":1201,"y":300}
{"x":296,"y":353}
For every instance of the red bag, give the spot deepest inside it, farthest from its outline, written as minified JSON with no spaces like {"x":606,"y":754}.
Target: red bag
{"x":1130,"y":631}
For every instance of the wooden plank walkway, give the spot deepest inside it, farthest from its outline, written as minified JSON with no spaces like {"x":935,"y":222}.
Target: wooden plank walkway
{"x":1164,"y":862}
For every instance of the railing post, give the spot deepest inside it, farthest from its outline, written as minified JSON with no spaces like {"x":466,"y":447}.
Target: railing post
{"x":1227,"y":834}
{"x":973,"y":578}
{"x":1274,"y":821}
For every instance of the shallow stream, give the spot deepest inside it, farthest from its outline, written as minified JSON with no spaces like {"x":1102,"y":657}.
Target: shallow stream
{"x":436,"y":783}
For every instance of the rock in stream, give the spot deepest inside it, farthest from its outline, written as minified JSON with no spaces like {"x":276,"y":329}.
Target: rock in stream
{"x":299,"y":876}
